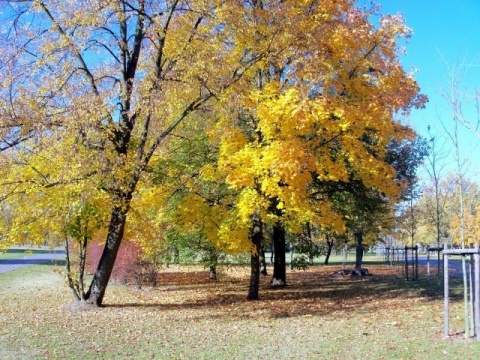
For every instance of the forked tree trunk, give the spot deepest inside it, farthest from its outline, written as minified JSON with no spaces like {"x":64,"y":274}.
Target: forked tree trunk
{"x":279,"y":278}
{"x":256,"y":237}
{"x":96,"y":292}
{"x":358,"y":249}
{"x":329,"y":250}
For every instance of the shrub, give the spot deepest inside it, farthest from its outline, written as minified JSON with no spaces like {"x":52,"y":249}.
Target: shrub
{"x":128,"y":267}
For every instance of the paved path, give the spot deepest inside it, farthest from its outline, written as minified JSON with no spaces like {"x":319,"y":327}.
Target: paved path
{"x":454,"y":265}
{"x":28,"y":260}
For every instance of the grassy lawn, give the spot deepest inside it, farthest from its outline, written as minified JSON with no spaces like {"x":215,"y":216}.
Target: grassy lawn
{"x":189,"y":317}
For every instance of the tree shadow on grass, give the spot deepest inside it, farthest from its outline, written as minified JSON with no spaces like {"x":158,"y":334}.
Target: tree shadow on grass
{"x":315,"y":292}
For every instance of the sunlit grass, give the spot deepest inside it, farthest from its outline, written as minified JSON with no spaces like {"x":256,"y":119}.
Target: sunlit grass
{"x":188,"y":316}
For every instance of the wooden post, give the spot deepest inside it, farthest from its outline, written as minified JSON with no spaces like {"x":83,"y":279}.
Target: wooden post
{"x":477,"y":291}
{"x":471,"y":305}
{"x":445,"y":291}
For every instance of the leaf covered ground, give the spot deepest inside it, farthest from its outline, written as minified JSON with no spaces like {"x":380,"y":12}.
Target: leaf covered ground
{"x":190,"y":317}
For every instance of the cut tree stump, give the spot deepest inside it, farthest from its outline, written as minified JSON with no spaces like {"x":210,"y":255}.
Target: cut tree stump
{"x":357,"y":272}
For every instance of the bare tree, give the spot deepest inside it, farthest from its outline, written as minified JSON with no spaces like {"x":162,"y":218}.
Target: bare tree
{"x":435,"y":166}
{"x":455,"y":99}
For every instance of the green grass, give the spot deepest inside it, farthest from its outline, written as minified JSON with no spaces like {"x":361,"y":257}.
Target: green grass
{"x":20,"y":253}
{"x":189,"y":317}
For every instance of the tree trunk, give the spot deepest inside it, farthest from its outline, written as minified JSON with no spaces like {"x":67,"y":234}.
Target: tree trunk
{"x":70,"y":279}
{"x":309,"y":235}
{"x":272,"y":253}
{"x":279,"y":278}
{"x":359,"y":249}
{"x":176,"y":255}
{"x":254,"y":274}
{"x":213,"y":264}
{"x":96,"y":292}
{"x":213,"y":272}
{"x":81,"y":266}
{"x":263,"y":263}
{"x":329,"y":250}
{"x":256,"y":237}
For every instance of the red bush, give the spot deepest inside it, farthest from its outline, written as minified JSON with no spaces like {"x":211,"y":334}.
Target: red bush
{"x":127,"y":265}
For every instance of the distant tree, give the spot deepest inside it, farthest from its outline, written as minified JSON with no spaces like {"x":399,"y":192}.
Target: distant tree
{"x":435,"y":167}
{"x":433,"y":206}
{"x":407,"y":156}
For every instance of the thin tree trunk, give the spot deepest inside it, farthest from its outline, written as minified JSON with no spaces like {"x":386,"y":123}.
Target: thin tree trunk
{"x":292,"y":252}
{"x":254,"y":275}
{"x":213,"y":258}
{"x":213,"y":271}
{"x":176,"y":255}
{"x":329,"y":250}
{"x":309,"y":235}
{"x":96,"y":292}
{"x":81,"y":266}
{"x":263,"y":262}
{"x":345,"y":255}
{"x":456,"y":144}
{"x":68,"y":268}
{"x":279,"y":278}
{"x":359,"y":249}
{"x":272,"y":253}
{"x":256,"y":238}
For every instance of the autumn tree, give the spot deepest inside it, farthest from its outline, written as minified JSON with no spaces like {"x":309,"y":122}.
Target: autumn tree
{"x":42,"y":212}
{"x":112,"y":79}
{"x":434,"y":211}
{"x":471,"y":201}
{"x":310,"y":116}
{"x":197,"y":199}
{"x":450,"y":212}
{"x":307,"y":119}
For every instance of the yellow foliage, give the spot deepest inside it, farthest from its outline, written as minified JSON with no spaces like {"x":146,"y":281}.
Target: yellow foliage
{"x":309,"y":119}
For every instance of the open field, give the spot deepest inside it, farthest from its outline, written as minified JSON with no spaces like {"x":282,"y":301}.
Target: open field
{"x":189,"y":317}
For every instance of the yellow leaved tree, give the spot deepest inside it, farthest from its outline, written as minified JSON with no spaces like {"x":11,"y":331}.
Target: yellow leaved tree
{"x":322,"y":112}
{"x":114,"y":78}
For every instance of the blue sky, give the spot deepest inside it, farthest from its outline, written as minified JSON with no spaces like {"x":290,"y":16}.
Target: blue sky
{"x":445,"y":33}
